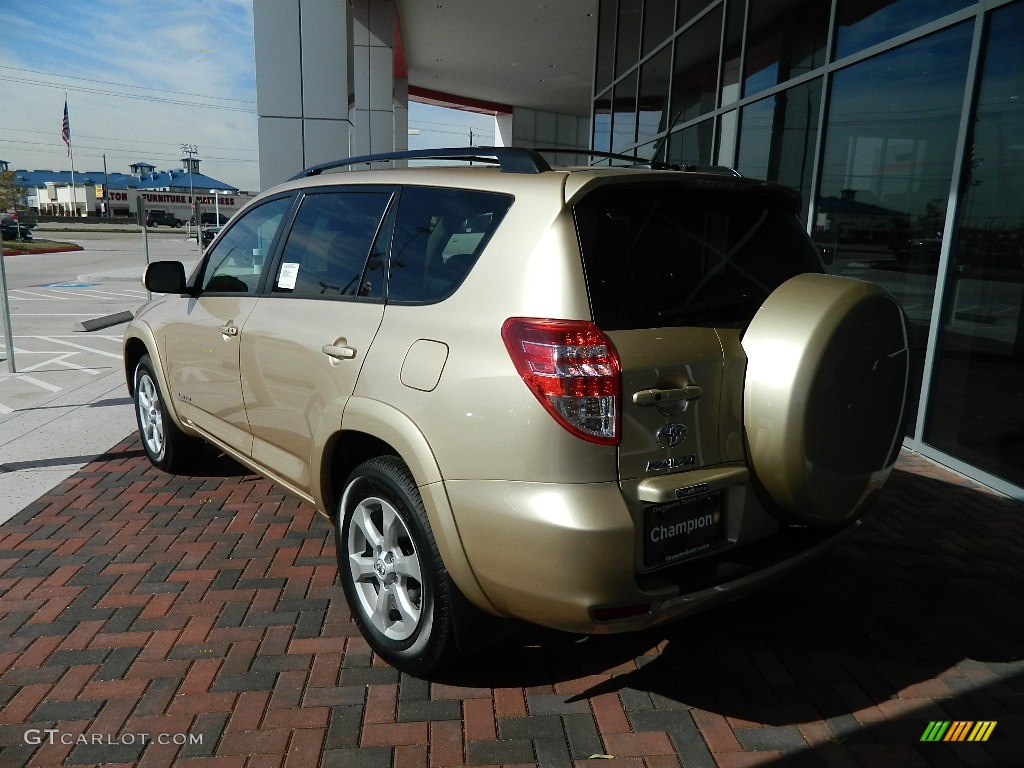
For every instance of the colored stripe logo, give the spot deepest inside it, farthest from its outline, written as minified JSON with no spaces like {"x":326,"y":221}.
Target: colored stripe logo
{"x":958,"y":730}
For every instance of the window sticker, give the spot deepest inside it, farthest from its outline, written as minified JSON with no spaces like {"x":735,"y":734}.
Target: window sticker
{"x":289,"y":273}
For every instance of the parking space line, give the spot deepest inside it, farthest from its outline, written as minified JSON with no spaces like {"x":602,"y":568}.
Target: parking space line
{"x":136,"y":295}
{"x":40,"y":296}
{"x":79,"y":346}
{"x":40,"y":383}
{"x":61,"y":359}
{"x":64,"y":293}
{"x":54,"y":314}
{"x":77,"y":367}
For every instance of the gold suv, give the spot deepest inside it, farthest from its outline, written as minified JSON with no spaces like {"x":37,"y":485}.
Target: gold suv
{"x":592,"y":398}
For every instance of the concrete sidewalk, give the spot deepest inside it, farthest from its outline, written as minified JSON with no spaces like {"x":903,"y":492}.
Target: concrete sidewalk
{"x":45,"y":444}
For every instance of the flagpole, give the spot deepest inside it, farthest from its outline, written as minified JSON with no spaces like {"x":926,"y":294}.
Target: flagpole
{"x":71,"y":154}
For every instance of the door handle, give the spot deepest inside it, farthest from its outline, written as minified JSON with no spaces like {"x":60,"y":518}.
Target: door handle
{"x":229,"y":330}
{"x":339,"y":353}
{"x":659,"y":396}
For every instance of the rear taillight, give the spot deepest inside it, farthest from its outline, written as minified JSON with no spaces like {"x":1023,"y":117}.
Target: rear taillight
{"x":573,"y":370}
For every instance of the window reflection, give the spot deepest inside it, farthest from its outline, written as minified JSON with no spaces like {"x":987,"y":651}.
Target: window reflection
{"x":863,"y":23}
{"x":777,"y":137}
{"x":654,"y":76}
{"x":692,"y":145}
{"x":659,"y":21}
{"x":603,"y":124}
{"x":977,"y":398}
{"x":885,"y":174}
{"x":624,"y":115}
{"x":731,"y":58}
{"x":785,"y":39}
{"x":627,"y":49}
{"x":695,"y":75}
{"x":605,"y":45}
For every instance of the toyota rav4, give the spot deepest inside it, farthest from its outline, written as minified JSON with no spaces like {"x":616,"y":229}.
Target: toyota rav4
{"x":591,"y":398}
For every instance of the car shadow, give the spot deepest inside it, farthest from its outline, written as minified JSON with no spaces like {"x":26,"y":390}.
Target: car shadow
{"x":216,"y":463}
{"x":932,"y":579}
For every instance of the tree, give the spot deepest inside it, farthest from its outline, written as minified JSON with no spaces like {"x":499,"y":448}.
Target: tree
{"x":10,"y":195}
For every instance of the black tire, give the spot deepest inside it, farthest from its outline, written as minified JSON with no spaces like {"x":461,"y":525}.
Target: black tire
{"x":167,"y":447}
{"x":397,"y":587}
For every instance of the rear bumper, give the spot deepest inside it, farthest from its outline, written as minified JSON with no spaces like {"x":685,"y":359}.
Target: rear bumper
{"x":564,"y":556}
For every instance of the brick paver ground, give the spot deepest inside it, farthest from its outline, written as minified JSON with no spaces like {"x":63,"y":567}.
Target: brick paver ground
{"x":195,"y":621}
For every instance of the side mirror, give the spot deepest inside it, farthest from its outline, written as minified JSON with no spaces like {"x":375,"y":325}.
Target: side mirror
{"x":165,"y":277}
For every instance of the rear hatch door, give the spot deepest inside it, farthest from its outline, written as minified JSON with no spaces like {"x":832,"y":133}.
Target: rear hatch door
{"x":675,"y":272}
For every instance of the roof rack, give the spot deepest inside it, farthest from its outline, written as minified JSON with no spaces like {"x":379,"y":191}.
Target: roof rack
{"x":631,"y":159}
{"x":508,"y":159}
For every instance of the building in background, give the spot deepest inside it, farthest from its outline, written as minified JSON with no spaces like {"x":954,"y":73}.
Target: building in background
{"x":49,"y":193}
{"x":899,"y":121}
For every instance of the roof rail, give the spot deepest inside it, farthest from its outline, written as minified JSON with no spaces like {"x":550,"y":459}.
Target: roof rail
{"x":509,"y":159}
{"x":657,"y":165}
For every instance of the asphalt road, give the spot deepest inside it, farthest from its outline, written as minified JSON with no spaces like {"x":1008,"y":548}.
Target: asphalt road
{"x":51,"y":295}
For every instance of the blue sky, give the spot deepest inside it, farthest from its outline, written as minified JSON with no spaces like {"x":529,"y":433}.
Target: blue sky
{"x":141,"y":79}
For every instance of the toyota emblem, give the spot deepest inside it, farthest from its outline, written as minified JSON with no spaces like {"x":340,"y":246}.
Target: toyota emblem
{"x":671,"y":435}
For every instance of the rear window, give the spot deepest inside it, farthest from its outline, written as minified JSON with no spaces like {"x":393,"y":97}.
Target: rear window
{"x":657,"y":257}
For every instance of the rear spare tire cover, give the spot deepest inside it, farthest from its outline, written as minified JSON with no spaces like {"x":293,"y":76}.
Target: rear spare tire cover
{"x":824,"y":396}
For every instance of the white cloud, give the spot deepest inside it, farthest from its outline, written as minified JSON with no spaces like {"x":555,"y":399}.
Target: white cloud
{"x":141,"y":79}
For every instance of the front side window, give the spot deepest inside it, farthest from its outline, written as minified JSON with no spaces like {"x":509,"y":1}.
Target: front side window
{"x":328,"y":251}
{"x":662,"y":257}
{"x":439,"y":234}
{"x":234,"y":264}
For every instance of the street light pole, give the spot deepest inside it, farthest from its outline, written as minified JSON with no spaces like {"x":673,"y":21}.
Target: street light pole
{"x":216,"y":206}
{"x":8,"y":333}
{"x":192,"y":150}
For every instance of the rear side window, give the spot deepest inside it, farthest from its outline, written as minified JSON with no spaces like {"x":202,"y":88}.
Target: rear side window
{"x":439,"y":234}
{"x":328,"y":251}
{"x":668,"y":257}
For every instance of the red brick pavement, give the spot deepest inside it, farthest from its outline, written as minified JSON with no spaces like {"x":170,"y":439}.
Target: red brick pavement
{"x":194,"y":621}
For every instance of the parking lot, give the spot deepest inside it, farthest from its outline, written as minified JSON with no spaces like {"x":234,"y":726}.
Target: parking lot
{"x":51,"y":295}
{"x":148,"y":619}
{"x":68,"y":402}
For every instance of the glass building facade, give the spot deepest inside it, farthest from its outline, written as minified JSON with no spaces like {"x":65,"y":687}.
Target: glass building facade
{"x":901,"y":122}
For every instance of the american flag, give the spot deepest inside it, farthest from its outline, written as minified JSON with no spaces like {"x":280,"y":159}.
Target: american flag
{"x":65,"y":131}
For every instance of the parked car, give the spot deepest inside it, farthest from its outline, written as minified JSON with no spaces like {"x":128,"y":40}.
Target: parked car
{"x":163,"y":218}
{"x":591,"y":398}
{"x":208,"y":234}
{"x":13,"y":228}
{"x":208,"y":218}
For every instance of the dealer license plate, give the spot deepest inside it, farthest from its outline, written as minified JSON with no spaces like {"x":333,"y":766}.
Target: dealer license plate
{"x":682,"y":528}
